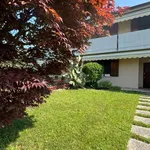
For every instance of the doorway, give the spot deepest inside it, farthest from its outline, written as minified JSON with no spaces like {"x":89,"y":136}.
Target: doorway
{"x":146,"y":82}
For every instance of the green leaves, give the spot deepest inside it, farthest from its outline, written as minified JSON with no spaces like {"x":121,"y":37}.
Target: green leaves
{"x":76,"y":76}
{"x":93,"y":72}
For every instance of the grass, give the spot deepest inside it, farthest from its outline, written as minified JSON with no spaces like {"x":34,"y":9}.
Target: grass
{"x":75,"y":120}
{"x":138,"y":123}
{"x":140,"y":138}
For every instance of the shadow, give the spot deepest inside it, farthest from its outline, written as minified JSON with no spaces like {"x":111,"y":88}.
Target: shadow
{"x":128,"y":92}
{"x":10,"y":133}
{"x":132,"y":92}
{"x":123,"y":91}
{"x":116,"y":91}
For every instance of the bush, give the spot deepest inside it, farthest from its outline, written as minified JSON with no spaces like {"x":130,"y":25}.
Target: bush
{"x":104,"y":85}
{"x":116,"y":88}
{"x":76,"y":76}
{"x":93,"y":72}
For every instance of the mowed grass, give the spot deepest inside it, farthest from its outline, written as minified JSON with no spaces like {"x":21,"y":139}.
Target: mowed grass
{"x":75,"y":120}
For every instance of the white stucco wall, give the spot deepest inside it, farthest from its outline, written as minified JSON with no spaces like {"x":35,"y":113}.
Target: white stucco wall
{"x":128,"y":74}
{"x":124,"y":27}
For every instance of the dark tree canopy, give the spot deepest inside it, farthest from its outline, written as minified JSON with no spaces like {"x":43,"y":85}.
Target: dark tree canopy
{"x":47,"y":31}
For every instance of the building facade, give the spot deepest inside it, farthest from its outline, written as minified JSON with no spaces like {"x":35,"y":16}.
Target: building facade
{"x":125,"y":55}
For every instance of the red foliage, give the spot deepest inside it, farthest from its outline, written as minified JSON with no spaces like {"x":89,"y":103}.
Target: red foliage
{"x":19,"y":90}
{"x":56,"y":87}
{"x":42,"y":30}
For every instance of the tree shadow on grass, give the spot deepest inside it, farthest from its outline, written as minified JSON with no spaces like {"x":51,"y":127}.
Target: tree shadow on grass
{"x":11,"y":133}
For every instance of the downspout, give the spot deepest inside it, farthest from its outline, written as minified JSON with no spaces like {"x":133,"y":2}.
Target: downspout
{"x":117,"y":42}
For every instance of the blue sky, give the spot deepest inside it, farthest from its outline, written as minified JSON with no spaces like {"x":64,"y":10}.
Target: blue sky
{"x":130,"y":2}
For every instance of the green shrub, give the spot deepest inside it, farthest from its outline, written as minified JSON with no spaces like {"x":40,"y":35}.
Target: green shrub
{"x":93,"y":72}
{"x":76,"y":77}
{"x":116,"y":88}
{"x":104,"y":85}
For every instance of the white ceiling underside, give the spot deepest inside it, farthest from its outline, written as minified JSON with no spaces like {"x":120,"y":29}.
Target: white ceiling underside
{"x":122,"y":55}
{"x":133,"y":15}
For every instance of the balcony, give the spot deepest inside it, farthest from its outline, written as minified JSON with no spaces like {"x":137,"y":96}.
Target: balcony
{"x":137,"y":40}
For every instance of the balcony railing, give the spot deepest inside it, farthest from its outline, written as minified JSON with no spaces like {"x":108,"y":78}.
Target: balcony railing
{"x":125,"y":42}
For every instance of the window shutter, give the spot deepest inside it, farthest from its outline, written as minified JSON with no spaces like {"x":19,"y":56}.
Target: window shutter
{"x":114,"y":29}
{"x":134,"y":25}
{"x":144,"y":23}
{"x":115,"y":68}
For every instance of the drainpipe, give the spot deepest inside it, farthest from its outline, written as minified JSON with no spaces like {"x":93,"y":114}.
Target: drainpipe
{"x":117,"y":41}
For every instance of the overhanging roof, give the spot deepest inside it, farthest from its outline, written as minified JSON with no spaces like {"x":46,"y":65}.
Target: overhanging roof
{"x":118,"y":55}
{"x":135,"y":12}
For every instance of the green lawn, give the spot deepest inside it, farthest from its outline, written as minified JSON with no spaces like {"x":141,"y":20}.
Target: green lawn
{"x":75,"y":120}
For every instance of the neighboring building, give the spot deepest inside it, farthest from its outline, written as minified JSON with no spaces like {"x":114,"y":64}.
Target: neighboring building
{"x":126,"y":54}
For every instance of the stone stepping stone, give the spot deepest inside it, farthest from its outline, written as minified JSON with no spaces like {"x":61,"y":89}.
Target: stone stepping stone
{"x":142,"y":119}
{"x":143,"y":112}
{"x":137,"y":145}
{"x":144,"y":103}
{"x":145,"y":132}
{"x":143,"y":99}
{"x":145,"y":107}
{"x":147,"y":97}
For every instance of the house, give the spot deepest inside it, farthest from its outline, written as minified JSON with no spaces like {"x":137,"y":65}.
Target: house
{"x":125,"y":55}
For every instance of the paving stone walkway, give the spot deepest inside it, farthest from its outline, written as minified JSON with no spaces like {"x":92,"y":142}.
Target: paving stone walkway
{"x":143,"y":109}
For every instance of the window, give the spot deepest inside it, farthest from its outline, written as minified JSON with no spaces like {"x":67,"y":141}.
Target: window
{"x":107,"y":67}
{"x":114,"y":29}
{"x":111,"y":67}
{"x":140,"y":23}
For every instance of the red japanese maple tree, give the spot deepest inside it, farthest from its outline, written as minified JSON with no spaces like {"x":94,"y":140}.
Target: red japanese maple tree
{"x":38,"y":38}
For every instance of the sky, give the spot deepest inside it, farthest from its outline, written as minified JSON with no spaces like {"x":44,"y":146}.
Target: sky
{"x":130,"y":2}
